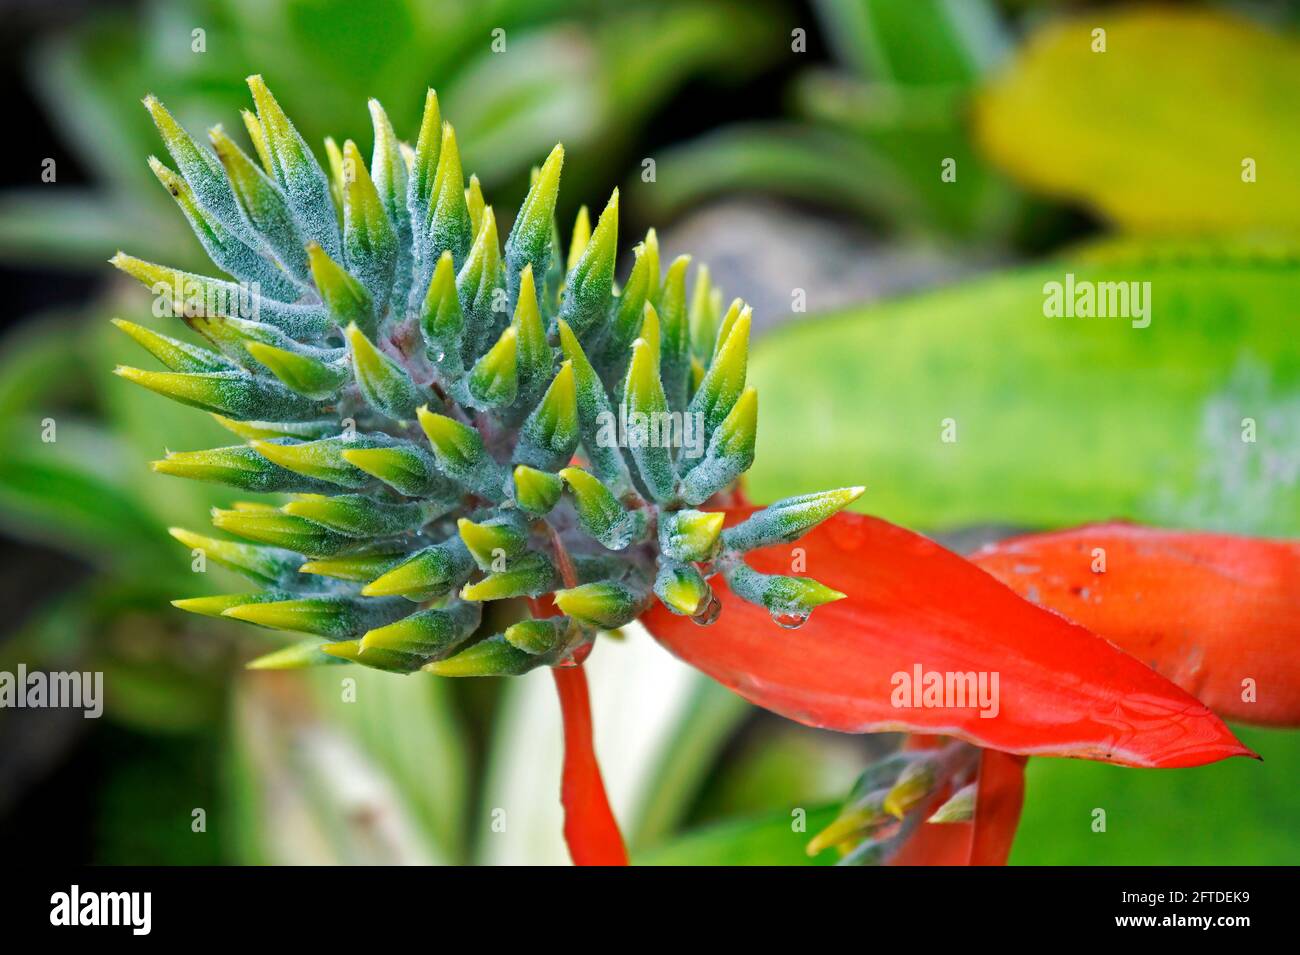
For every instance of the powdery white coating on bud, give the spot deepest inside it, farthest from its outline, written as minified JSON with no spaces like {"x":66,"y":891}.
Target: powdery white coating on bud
{"x":435,"y":403}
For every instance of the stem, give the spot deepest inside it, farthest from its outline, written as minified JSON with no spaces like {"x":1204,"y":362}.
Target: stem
{"x":589,"y":825}
{"x":590,"y":828}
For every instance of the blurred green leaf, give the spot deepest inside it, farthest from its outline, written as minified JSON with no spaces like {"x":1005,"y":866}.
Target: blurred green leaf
{"x":67,"y":226}
{"x":513,"y":108}
{"x":778,"y":763}
{"x":36,"y":365}
{"x":305,"y":790}
{"x":883,"y":135}
{"x":1236,"y":812}
{"x":73,"y":492}
{"x":806,"y":163}
{"x":409,"y":728}
{"x":90,"y":490}
{"x":916,"y":42}
{"x":587,"y":74}
{"x":1151,"y":133}
{"x":163,"y":672}
{"x":1057,"y":420}
{"x":647,"y":52}
{"x":705,"y":723}
{"x":775,"y":839}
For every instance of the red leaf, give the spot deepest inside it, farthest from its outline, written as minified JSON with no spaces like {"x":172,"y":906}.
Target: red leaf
{"x":1063,"y":690}
{"x":1206,"y":610}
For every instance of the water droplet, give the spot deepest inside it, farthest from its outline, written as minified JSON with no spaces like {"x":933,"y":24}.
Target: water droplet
{"x":441,"y":356}
{"x":791,"y":620}
{"x":710,"y":613}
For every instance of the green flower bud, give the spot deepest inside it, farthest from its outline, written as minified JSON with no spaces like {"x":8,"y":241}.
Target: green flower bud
{"x":241,"y":467}
{"x":529,"y":242}
{"x":329,"y":615}
{"x":682,"y":589}
{"x":788,"y":519}
{"x":536,"y":492}
{"x":690,"y":535}
{"x":539,"y":636}
{"x":549,"y":436}
{"x":606,"y":604}
{"x":528,"y":576}
{"x":376,"y":298}
{"x":600,"y":513}
{"x":459,"y":451}
{"x":423,"y":637}
{"x":347,"y":299}
{"x":430,"y":572}
{"x":790,"y":600}
{"x":325,"y":459}
{"x":383,"y":383}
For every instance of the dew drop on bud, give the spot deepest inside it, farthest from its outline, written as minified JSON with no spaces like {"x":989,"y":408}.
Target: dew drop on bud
{"x":710,"y":613}
{"x":789,"y":621}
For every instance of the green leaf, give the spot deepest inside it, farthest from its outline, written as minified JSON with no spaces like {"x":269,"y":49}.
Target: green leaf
{"x":706,"y":721}
{"x":409,"y":728}
{"x":1056,"y":420}
{"x":1148,"y":133}
{"x":324,"y":781}
{"x":75,"y":492}
{"x":74,"y":226}
{"x":914,"y":42}
{"x":156,"y":683}
{"x":767,"y":840}
{"x":1236,"y":812}
{"x":804,"y":163}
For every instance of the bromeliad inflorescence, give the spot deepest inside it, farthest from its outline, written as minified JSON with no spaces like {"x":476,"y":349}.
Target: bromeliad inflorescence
{"x":456,"y":425}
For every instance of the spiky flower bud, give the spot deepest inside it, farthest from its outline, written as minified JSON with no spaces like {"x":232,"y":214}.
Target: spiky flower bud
{"x":894,"y":796}
{"x":456,"y":421}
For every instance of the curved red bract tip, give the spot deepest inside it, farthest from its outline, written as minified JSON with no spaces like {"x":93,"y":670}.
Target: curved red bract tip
{"x":1209,"y":611}
{"x":1062,"y":691}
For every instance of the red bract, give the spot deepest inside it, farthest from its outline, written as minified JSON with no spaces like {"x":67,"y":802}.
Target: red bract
{"x":986,"y":840}
{"x":1209,"y":611}
{"x":1063,"y":690}
{"x":997,"y":807}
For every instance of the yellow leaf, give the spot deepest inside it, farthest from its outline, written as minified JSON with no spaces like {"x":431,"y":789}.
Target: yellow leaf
{"x":1156,"y":132}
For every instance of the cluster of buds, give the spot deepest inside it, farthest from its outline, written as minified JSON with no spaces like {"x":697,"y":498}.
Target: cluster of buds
{"x":897,"y":794}
{"x":478,"y":449}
